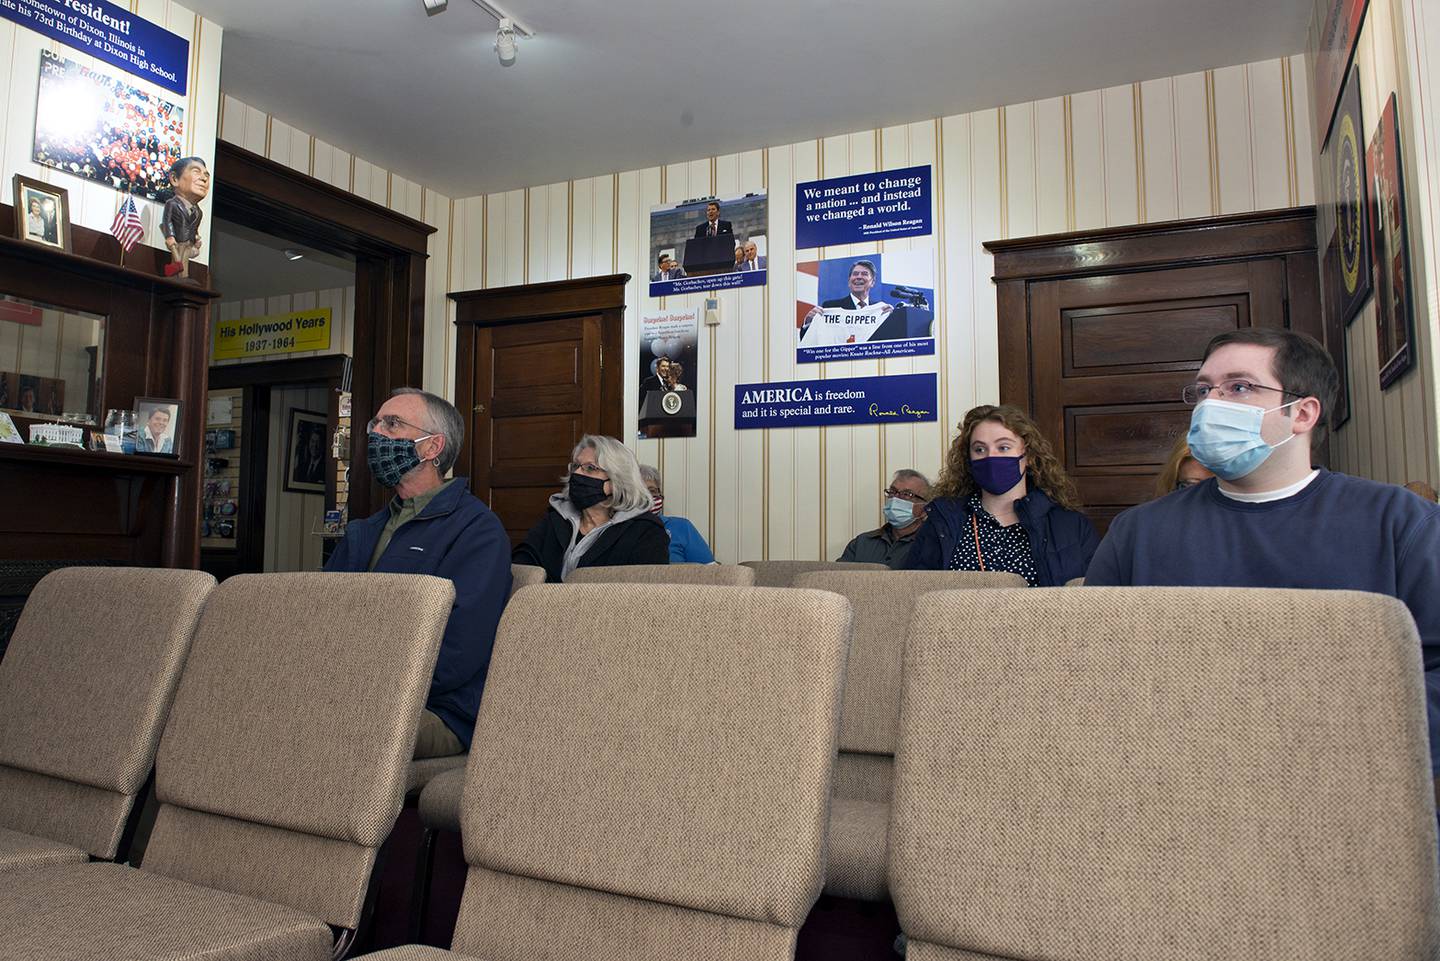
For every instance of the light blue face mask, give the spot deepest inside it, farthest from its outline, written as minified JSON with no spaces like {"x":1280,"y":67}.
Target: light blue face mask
{"x":899,"y":512}
{"x":1225,"y":437}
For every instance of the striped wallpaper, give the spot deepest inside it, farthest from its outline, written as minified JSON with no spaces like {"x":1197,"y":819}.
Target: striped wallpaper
{"x":93,"y":205}
{"x":1222,"y":141}
{"x":1392,"y":435}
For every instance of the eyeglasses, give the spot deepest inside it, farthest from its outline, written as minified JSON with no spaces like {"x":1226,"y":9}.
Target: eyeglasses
{"x":590,"y":470}
{"x":1193,"y":394}
{"x":393,"y":423}
{"x":1180,"y":485}
{"x":910,"y":496}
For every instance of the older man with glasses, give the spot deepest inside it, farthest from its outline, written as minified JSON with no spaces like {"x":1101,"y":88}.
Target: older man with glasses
{"x":904,"y":511}
{"x":434,"y":526}
{"x":1262,"y":399}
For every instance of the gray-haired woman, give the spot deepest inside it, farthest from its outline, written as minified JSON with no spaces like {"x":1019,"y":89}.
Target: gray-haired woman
{"x":600,"y":518}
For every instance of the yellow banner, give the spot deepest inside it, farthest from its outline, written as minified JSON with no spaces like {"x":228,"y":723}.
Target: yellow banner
{"x":276,"y":334}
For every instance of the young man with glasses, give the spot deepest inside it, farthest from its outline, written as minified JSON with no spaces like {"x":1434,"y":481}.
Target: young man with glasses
{"x":904,"y":511}
{"x":434,"y":526}
{"x":1262,"y":402}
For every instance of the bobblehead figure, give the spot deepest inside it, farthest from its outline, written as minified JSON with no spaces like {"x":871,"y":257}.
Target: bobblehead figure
{"x":180,"y":223}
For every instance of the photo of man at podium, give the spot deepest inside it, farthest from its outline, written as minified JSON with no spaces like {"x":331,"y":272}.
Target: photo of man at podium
{"x":709,"y":239}
{"x":668,"y":351}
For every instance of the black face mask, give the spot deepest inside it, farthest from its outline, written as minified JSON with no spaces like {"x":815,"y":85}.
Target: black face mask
{"x":586,"y":492}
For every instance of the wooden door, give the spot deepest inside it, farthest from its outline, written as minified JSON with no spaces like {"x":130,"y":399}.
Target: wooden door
{"x":537,"y":368}
{"x":543,"y":384}
{"x":1099,"y":332}
{"x":1110,"y":355}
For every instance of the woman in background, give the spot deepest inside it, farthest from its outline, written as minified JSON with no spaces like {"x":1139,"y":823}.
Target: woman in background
{"x":1181,"y":470}
{"x":600,"y":518}
{"x":1004,"y":503}
{"x":686,"y":544}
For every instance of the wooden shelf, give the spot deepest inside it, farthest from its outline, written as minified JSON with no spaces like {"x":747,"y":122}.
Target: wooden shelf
{"x":93,"y":459}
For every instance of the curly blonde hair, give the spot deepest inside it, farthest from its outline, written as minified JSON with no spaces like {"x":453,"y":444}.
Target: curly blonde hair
{"x":1043,"y":468}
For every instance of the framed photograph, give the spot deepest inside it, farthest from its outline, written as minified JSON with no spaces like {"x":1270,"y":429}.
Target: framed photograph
{"x":158,"y":424}
{"x":42,"y":213}
{"x":306,"y":456}
{"x":1346,"y":158}
{"x":1339,"y":32}
{"x":1390,"y":242}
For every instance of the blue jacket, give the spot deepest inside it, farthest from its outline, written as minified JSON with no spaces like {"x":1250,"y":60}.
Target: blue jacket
{"x":1062,"y":540}
{"x":687,"y":546}
{"x":458,"y":537}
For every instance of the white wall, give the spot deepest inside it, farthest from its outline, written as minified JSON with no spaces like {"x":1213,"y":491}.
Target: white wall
{"x":93,"y":205}
{"x":1222,"y":141}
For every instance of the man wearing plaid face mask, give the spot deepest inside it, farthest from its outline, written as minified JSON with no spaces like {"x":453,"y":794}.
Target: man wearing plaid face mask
{"x":434,"y":526}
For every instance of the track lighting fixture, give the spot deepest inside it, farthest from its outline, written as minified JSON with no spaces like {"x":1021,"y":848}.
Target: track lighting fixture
{"x":433,"y":7}
{"x":508,"y":31}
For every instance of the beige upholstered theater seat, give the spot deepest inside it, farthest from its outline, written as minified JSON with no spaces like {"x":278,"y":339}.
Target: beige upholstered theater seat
{"x":280,"y":772}
{"x":1164,"y":774}
{"x":84,"y":691}
{"x":421,"y":772}
{"x":783,"y":573}
{"x":860,"y":811}
{"x":634,"y":796}
{"x":714,"y":575}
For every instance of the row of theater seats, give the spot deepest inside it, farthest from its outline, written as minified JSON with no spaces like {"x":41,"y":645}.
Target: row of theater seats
{"x":1056,"y":774}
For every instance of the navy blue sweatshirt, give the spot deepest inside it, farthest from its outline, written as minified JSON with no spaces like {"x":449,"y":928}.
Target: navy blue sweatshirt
{"x":1338,"y":533}
{"x":456,"y":536}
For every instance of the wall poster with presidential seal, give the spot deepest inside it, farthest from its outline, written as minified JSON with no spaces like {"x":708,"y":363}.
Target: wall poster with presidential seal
{"x":669,"y":362}
{"x":1346,"y":151}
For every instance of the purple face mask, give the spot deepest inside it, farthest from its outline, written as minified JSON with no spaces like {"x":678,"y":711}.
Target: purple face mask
{"x":996,"y":475}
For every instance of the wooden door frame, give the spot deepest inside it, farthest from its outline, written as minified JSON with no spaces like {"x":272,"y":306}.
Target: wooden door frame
{"x":1287,"y":234}
{"x":390,"y":251}
{"x":257,"y":380}
{"x":528,"y":303}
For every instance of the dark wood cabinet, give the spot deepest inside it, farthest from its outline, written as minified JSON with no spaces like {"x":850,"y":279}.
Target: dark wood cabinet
{"x":72,"y":505}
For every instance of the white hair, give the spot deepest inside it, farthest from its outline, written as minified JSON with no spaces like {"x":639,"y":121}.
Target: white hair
{"x":651,"y":475}
{"x":628,"y":491}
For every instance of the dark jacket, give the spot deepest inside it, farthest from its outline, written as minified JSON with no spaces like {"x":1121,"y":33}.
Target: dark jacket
{"x":722,"y":227}
{"x":1061,"y":540}
{"x":639,"y":540}
{"x":456,"y":536}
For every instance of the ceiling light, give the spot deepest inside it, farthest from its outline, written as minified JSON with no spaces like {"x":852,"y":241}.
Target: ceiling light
{"x":294,"y":253}
{"x":433,"y":7}
{"x":505,"y":42}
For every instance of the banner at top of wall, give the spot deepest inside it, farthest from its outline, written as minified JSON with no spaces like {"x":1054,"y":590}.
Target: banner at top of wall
{"x":863,"y":208}
{"x":276,"y":334}
{"x":109,"y":33}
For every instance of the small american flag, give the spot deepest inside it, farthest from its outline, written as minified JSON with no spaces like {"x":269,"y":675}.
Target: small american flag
{"x":127,"y":227}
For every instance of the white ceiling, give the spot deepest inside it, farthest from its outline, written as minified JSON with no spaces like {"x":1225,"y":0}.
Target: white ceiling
{"x":249,"y":264}
{"x":625,"y":85}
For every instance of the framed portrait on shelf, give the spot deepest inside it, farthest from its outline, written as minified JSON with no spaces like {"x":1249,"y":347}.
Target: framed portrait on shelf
{"x":1347,"y":161}
{"x":42,"y":213}
{"x":157,"y":425}
{"x":306,"y":456}
{"x":1389,"y":240}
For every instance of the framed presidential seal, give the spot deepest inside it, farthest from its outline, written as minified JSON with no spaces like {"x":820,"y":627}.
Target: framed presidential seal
{"x":1347,"y":160}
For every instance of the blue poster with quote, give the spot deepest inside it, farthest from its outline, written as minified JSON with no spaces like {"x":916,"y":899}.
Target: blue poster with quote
{"x":896,"y":399}
{"x":863,"y":208}
{"x":109,"y":33}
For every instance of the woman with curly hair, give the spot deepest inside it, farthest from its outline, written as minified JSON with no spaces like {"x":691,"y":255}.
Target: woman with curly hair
{"x":1004,"y":503}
